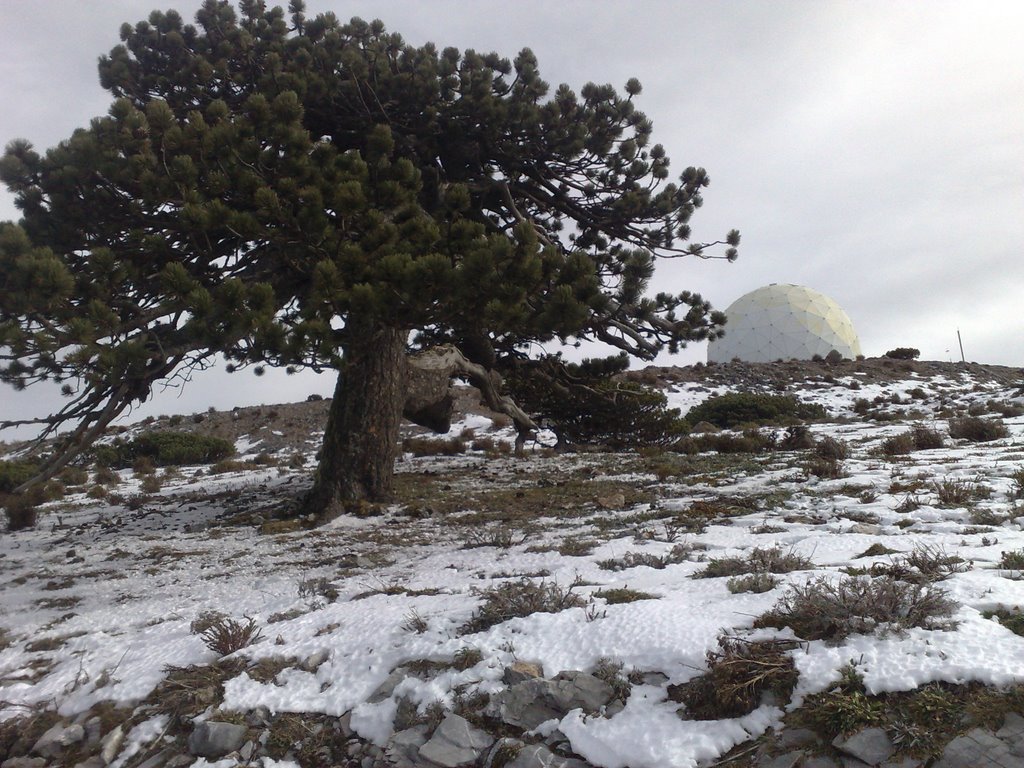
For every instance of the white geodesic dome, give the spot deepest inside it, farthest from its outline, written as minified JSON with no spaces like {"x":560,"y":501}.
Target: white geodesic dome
{"x":784,"y":322}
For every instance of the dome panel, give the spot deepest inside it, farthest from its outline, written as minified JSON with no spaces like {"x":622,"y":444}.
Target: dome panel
{"x":784,"y":322}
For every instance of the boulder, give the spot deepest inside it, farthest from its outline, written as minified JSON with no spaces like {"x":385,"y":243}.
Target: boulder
{"x":869,"y":745}
{"x":214,"y":739}
{"x":528,"y":704}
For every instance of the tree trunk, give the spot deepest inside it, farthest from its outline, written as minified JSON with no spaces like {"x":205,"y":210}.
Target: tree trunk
{"x":361,"y":439}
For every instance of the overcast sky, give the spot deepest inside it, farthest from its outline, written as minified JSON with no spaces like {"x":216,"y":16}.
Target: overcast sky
{"x":873,"y":151}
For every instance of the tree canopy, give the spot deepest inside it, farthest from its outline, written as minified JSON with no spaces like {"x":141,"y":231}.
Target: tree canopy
{"x":302,"y":192}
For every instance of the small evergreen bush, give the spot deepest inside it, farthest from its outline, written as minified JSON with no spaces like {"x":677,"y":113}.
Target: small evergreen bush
{"x":14,"y":473}
{"x":977,"y":429}
{"x":903,"y":353}
{"x":737,"y":408}
{"x":164,"y":449}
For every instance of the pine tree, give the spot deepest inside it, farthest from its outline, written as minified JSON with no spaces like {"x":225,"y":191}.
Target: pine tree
{"x":302,"y":192}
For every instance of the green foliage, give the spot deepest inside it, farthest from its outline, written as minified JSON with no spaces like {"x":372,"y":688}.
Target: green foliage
{"x":584,"y":404}
{"x":903,"y":353}
{"x":14,"y":473}
{"x":164,"y":449}
{"x":738,"y":408}
{"x":976,"y":429}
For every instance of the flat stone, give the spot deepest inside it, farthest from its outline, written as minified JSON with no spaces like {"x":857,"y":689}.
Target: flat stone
{"x":158,"y":760}
{"x":112,"y":744}
{"x":57,"y":738}
{"x":214,"y":739}
{"x":455,"y":743}
{"x":528,"y":704}
{"x":95,"y":761}
{"x":654,"y":678}
{"x":386,"y":688}
{"x":23,"y":762}
{"x":1012,"y":733}
{"x":539,"y":756}
{"x":977,"y":748}
{"x":788,"y":760}
{"x":798,"y":737}
{"x":870,"y":745}
{"x":819,"y":761}
{"x":403,"y":747}
{"x":906,"y":762}
{"x":520,"y":672}
{"x":312,"y":662}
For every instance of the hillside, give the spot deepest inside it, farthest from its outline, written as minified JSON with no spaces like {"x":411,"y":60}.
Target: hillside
{"x":849,"y":596}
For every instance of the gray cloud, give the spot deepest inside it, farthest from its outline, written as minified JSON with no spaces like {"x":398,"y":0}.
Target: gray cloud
{"x":870,"y":150}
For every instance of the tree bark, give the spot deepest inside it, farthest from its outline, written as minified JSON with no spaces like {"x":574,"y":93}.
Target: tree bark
{"x":361,"y":439}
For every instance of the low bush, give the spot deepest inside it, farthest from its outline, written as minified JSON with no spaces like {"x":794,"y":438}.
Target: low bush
{"x":918,"y":438}
{"x":751,"y":441}
{"x":518,"y":599}
{"x":826,"y":469}
{"x":760,"y":560}
{"x":903,"y":353}
{"x":825,"y":610}
{"x":226,"y":636}
{"x":752,"y":582}
{"x":618,"y":595}
{"x":952,"y":492}
{"x":737,"y":408}
{"x":831,"y":448}
{"x":678,"y":554}
{"x":976,"y":429}
{"x":14,"y":473}
{"x":164,"y":449}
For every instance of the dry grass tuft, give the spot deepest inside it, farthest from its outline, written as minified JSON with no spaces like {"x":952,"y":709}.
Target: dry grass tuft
{"x":826,"y":610}
{"x":518,"y":599}
{"x":738,"y":676}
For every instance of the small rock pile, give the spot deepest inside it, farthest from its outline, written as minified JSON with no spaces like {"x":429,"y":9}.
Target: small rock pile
{"x":514,"y":728}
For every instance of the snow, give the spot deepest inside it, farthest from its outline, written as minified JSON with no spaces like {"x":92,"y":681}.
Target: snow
{"x":98,"y":600}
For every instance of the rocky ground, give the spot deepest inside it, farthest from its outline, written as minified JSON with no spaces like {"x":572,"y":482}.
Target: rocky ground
{"x":553,"y":610}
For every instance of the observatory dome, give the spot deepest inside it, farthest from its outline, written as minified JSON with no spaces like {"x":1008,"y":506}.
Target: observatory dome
{"x":784,"y":322}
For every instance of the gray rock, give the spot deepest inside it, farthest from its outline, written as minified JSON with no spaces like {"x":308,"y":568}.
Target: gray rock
{"x":654,"y":678}
{"x":23,"y":762}
{"x":57,"y":738}
{"x":93,"y":731}
{"x":977,"y":749}
{"x":95,"y":761}
{"x":906,"y":762}
{"x":406,"y":714}
{"x":539,"y":756}
{"x":1012,"y":733}
{"x":112,"y":744}
{"x":246,"y":751}
{"x":216,"y":739}
{"x":502,"y":750}
{"x":528,"y":704}
{"x":345,"y":725}
{"x":798,"y":737}
{"x":788,"y":760}
{"x":312,"y":662}
{"x":158,"y":760}
{"x":386,"y":688}
{"x":819,"y":761}
{"x":870,"y":745}
{"x":455,"y":743}
{"x":403,"y":748}
{"x":180,"y":761}
{"x":520,"y":672}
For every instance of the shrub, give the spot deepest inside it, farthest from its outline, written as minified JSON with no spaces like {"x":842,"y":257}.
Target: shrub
{"x":617,"y":595}
{"x":678,"y":554}
{"x":73,"y":476}
{"x":826,"y":610}
{"x":797,"y":438}
{"x":164,"y":449}
{"x":831,"y":448}
{"x":826,"y":469}
{"x":516,"y":599}
{"x":227,"y":635}
{"x":14,"y":473}
{"x":977,"y":429}
{"x":751,"y":441}
{"x":903,"y":353}
{"x":738,"y":675}
{"x":1012,"y":560}
{"x":954,"y":493}
{"x":760,"y":560}
{"x":925,"y":438}
{"x":736,"y":408}
{"x":150,"y":484}
{"x":918,"y":438}
{"x":22,"y":510}
{"x":752,"y":582}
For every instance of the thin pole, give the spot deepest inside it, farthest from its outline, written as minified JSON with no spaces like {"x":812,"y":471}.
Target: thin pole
{"x":962,"y":358}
